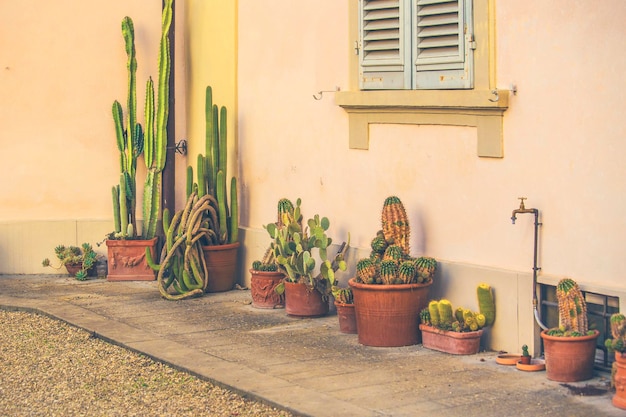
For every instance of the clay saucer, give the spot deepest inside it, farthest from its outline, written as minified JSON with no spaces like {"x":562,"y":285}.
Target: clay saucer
{"x":508,"y":359}
{"x":533,"y":366}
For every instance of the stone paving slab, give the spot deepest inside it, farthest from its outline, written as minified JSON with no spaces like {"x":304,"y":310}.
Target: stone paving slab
{"x":304,"y":365}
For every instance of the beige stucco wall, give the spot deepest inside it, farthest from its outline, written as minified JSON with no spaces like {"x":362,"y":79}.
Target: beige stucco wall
{"x":62,"y":64}
{"x":563,"y":135}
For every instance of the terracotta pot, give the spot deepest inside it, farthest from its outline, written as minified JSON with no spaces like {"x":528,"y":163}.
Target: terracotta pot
{"x":525,"y":360}
{"x":388,"y":315}
{"x":569,"y":359}
{"x":126,"y":260}
{"x":301,"y":301}
{"x":221,"y":261}
{"x":619,"y":399}
{"x":72,"y":269}
{"x":347,"y":318}
{"x":456,"y":343}
{"x":263,"y":289}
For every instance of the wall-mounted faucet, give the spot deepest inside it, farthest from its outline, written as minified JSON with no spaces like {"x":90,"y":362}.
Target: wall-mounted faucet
{"x":522,"y":209}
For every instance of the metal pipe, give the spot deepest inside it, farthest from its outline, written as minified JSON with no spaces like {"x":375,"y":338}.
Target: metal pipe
{"x":522,"y":210}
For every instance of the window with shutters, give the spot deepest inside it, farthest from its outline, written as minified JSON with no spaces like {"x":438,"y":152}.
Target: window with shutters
{"x":424,"y":62}
{"x":415,"y":44}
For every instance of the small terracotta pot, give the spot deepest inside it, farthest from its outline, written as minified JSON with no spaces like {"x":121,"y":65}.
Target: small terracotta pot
{"x":301,"y":301}
{"x":525,"y":360}
{"x":347,"y":318}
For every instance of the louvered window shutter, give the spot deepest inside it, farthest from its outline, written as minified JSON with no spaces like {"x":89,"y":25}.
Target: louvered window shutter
{"x":442,"y":44}
{"x":385,"y":58}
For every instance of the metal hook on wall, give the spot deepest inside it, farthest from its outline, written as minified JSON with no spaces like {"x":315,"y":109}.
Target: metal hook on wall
{"x":319,"y":95}
{"x":495,"y":93}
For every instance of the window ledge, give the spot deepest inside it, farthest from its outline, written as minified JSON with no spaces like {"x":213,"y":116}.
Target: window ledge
{"x":482,"y":109}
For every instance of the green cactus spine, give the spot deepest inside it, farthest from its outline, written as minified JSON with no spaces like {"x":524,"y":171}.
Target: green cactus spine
{"x":486,"y":304}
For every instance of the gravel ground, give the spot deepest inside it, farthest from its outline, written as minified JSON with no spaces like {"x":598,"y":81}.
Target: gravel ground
{"x":50,"y":368}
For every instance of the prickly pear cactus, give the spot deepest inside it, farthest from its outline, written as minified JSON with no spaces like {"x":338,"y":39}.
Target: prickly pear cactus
{"x":572,"y":307}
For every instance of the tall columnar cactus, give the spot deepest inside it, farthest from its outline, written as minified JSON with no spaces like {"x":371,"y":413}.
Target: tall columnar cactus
{"x":156,"y":130}
{"x":572,"y":307}
{"x":395,"y":223}
{"x":131,"y":142}
{"x":211,"y":173}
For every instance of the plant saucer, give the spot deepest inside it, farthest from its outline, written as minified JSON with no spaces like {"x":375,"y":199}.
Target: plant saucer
{"x":508,"y":359}
{"x":533,"y":366}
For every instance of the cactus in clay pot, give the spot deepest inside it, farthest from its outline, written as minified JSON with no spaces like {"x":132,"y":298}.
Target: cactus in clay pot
{"x":132,"y":142}
{"x":572,"y":310}
{"x":390,"y":262}
{"x":211,"y":175}
{"x":441,"y":315}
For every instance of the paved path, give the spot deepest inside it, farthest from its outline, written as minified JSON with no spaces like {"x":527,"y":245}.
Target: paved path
{"x":304,"y":365}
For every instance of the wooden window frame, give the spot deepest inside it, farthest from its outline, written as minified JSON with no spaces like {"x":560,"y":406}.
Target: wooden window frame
{"x":482,"y":107}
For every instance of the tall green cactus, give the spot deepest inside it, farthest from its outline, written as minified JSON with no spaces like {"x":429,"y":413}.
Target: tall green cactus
{"x":130,"y":138}
{"x":211,"y":173}
{"x":156,"y":130}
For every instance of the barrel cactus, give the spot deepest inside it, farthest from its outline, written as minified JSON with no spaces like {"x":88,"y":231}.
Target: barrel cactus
{"x":572,"y":308}
{"x":618,"y":331}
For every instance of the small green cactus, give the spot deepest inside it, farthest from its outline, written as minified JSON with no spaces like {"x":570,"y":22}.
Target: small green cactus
{"x":406,"y":272}
{"x":366,"y":271}
{"x":379,"y":244}
{"x":618,"y":331}
{"x":388,"y":271}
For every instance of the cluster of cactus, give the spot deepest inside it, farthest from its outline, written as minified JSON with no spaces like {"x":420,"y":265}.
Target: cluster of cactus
{"x":182,"y":266}
{"x":618,"y":331}
{"x":293,"y":247}
{"x":74,"y":255}
{"x":132,"y":142}
{"x":343,"y":295}
{"x":572,"y":309}
{"x":441,"y":315}
{"x":211,"y":174}
{"x":389,"y":261}
{"x":267,"y":264}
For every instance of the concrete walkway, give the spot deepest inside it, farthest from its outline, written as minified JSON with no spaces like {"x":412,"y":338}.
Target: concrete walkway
{"x":303,"y":365}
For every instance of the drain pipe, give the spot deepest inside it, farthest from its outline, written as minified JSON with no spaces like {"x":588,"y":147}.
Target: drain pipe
{"x":521,"y":210}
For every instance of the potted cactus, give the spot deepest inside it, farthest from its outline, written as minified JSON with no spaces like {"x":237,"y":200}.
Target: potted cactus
{"x":570,"y":349}
{"x":295,"y":246}
{"x":618,"y":345}
{"x":220,"y":247}
{"x":126,"y":245}
{"x":344,"y":303}
{"x":456,"y":331}
{"x":79,"y":261}
{"x":391,"y":287}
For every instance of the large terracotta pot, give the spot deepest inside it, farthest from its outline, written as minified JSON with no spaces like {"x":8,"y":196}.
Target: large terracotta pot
{"x":126,"y":260}
{"x":347,"y":318}
{"x":263,"y":289}
{"x":221,"y":262}
{"x":619,"y":399}
{"x":301,"y":301}
{"x":388,"y":315}
{"x":456,"y":343}
{"x":569,"y":359}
